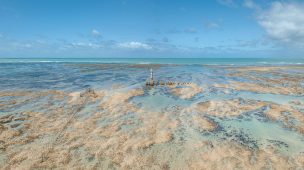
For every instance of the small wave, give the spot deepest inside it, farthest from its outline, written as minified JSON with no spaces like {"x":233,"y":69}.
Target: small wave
{"x":144,"y":63}
{"x":263,"y":62}
{"x":45,"y":61}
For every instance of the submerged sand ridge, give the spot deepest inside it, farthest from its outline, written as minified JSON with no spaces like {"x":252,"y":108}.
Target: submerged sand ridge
{"x":186,"y":91}
{"x":274,"y":80}
{"x":98,"y":128}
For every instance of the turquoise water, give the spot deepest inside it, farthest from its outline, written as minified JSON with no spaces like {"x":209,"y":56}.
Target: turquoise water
{"x":158,"y":101}
{"x":211,"y":61}
{"x":256,"y":133}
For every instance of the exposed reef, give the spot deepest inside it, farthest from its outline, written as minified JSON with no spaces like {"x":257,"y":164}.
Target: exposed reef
{"x":228,"y":108}
{"x":274,"y":80}
{"x":227,"y":124}
{"x":262,"y":88}
{"x":291,"y":118}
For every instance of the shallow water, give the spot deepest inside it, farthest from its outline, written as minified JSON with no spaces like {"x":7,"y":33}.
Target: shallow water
{"x":275,"y":98}
{"x":159,"y":101}
{"x":120,"y":120}
{"x":263,"y":134}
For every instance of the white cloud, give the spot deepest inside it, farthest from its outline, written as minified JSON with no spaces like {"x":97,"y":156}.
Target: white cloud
{"x":230,"y":3}
{"x":135,"y":45}
{"x":87,"y":45}
{"x":251,"y":4}
{"x":96,"y":33}
{"x":284,"y":22}
{"x":211,"y":25}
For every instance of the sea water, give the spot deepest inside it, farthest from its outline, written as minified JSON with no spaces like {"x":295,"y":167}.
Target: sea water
{"x":101,"y":73}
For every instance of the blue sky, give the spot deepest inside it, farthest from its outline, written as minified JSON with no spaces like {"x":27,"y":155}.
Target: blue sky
{"x":151,"y":28}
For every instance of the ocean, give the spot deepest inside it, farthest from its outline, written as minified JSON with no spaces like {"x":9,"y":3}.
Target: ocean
{"x":211,"y":61}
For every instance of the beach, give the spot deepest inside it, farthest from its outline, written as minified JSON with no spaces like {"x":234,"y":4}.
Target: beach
{"x":101,"y":115}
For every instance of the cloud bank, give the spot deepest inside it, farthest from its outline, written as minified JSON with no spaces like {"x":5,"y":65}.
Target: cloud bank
{"x":284,"y":22}
{"x":135,"y":45}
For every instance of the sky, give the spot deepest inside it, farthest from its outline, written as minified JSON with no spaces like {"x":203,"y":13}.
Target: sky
{"x":151,"y":28}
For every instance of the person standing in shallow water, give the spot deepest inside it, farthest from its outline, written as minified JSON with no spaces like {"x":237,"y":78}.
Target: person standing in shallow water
{"x":151,"y":74}
{"x":151,"y":81}
{"x":151,"y":77}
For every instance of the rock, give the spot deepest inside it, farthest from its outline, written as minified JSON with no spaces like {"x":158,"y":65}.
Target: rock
{"x":6,"y":119}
